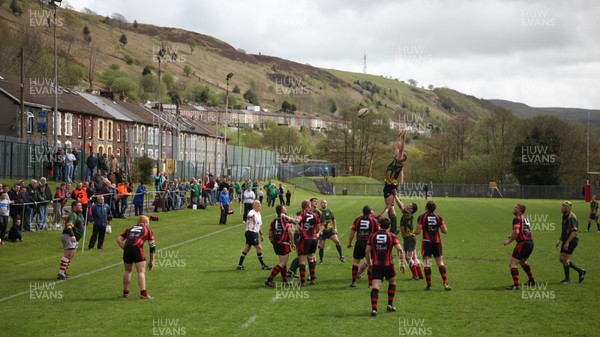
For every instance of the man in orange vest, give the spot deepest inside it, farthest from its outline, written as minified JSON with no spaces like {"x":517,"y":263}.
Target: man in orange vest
{"x":80,"y":194}
{"x":122,"y":196}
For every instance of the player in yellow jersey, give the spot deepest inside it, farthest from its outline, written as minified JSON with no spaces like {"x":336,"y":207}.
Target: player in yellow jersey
{"x":393,"y":177}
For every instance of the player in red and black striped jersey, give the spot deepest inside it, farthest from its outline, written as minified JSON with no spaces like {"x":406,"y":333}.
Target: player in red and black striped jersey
{"x":364,"y":226}
{"x":379,"y":248}
{"x":309,"y":228}
{"x":282,"y":238}
{"x":132,"y":242}
{"x":431,"y":223}
{"x":521,"y":232}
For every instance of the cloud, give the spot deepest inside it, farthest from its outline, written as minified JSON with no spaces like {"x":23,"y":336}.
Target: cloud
{"x":539,"y":52}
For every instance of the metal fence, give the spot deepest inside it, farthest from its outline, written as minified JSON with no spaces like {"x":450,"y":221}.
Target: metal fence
{"x":445,"y":190}
{"x":25,"y":159}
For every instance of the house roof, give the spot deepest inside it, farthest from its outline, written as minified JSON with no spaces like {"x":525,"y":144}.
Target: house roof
{"x":41,"y":93}
{"x":109,"y":107}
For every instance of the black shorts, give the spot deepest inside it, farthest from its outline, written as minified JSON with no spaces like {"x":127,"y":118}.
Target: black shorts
{"x":307,"y":246}
{"x":359,"y":250}
{"x":281,"y":249}
{"x":379,"y":272}
{"x":593,"y":216}
{"x":133,"y":254}
{"x":328,"y":233}
{"x":389,"y":190}
{"x":571,"y":247}
{"x":410,"y":243}
{"x":431,"y":248}
{"x":252,"y":238}
{"x":523,"y":250}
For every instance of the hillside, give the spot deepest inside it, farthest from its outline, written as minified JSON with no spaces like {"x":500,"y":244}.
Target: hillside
{"x":273,"y":80}
{"x":195,"y":67}
{"x":569,"y":114}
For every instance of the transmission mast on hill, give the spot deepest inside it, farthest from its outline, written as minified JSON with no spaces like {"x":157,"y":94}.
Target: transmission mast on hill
{"x":365,"y":64}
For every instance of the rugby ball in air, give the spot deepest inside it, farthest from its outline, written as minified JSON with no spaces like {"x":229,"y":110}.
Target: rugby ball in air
{"x":362,"y":112}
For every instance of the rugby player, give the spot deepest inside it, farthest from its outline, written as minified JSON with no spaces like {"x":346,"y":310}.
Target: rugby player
{"x":393,"y":178}
{"x":569,"y":240}
{"x":431,"y":223}
{"x":281,"y":236}
{"x":593,"y":214}
{"x":410,"y":238}
{"x":363,"y":226}
{"x":379,"y":248}
{"x":329,"y":226}
{"x":132,"y":242}
{"x":308,"y":228}
{"x":74,"y":228}
{"x":521,"y":232}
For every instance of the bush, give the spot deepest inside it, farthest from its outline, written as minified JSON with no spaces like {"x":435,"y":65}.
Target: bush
{"x":142,"y":169}
{"x":129,"y":59}
{"x":125,"y":85}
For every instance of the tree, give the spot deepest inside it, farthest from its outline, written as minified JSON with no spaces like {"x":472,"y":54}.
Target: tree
{"x":142,"y":169}
{"x":192,"y":44}
{"x":135,"y":24}
{"x":333,"y":107}
{"x":236,"y":89}
{"x":123,"y":39}
{"x":88,"y":11}
{"x":430,"y":87}
{"x":187,"y":70}
{"x":168,"y":80}
{"x":87,"y":37}
{"x":413,"y":82}
{"x":120,"y":20}
{"x":125,"y":85}
{"x":146,"y":71}
{"x":148,"y":83}
{"x":286,"y":106}
{"x":92,"y":65}
{"x":535,"y":160}
{"x":251,"y":97}
{"x":15,"y":8}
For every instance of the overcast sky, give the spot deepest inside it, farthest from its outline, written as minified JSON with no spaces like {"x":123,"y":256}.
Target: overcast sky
{"x":541,"y":53}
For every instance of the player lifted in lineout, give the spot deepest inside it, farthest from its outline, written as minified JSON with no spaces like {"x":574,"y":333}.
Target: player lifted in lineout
{"x":393,"y":176}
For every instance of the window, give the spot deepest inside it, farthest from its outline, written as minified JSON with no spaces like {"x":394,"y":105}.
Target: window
{"x":109,"y":131}
{"x":30,"y":126}
{"x":100,"y":129}
{"x":156,"y":137}
{"x":68,"y":124}
{"x":109,"y":150}
{"x":118,"y":132}
{"x":79,"y":127}
{"x":163,"y":139}
{"x":150,"y":135}
{"x":118,"y":151}
{"x":150,"y":153}
{"x":142,"y":134}
{"x":126,"y":134}
{"x":68,"y":144}
{"x":59,"y":121}
{"x":90,"y":128}
{"x":100,"y":149}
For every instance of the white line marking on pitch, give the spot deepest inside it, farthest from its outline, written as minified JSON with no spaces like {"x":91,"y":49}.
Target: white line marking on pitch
{"x":249,"y":321}
{"x":121,"y":263}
